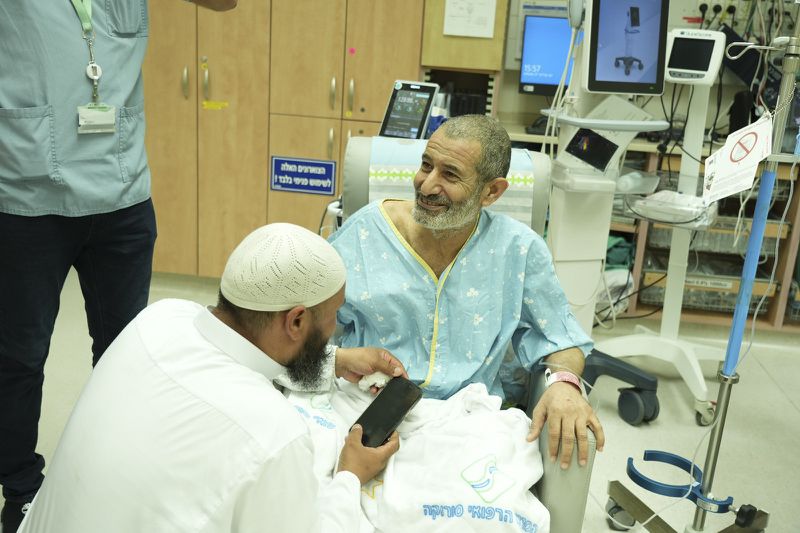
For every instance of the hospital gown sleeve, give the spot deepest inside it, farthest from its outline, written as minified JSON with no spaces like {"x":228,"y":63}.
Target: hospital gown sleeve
{"x":546,"y":323}
{"x":286,"y":496}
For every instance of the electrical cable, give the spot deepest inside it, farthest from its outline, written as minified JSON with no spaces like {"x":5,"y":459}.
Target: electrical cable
{"x":613,"y":314}
{"x":651,"y":219}
{"x":719,"y":105}
{"x":612,"y":309}
{"x":623,"y":296}
{"x":679,"y":142}
{"x":640,"y":289}
{"x":597,"y":290}
{"x":774,"y":268}
{"x":703,"y":10}
{"x":324,"y":214}
{"x":559,"y":97}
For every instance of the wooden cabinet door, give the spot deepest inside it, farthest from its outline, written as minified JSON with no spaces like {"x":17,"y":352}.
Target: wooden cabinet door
{"x":384,"y":39}
{"x":303,"y":137}
{"x":170,"y":72}
{"x":306,"y":57}
{"x":458,"y":52}
{"x":233,"y":48}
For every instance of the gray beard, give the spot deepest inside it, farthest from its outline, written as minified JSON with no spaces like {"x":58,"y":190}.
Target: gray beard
{"x":456,"y":216}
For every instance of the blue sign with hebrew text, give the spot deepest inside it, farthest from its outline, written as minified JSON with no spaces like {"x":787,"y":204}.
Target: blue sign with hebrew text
{"x":309,"y":176}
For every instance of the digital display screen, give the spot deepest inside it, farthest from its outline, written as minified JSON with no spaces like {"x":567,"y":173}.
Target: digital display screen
{"x":591,"y":148}
{"x":691,"y":54}
{"x":628,"y":46}
{"x":545,"y":46}
{"x":407,"y":114}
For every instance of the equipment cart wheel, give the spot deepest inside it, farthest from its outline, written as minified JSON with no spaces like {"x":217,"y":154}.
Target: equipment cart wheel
{"x":704,"y":415}
{"x":651,"y":406}
{"x":630,"y":406}
{"x":627,"y":70}
{"x":616,"y":62}
{"x":636,"y":405}
{"x":641,"y":66}
{"x":622,"y":521}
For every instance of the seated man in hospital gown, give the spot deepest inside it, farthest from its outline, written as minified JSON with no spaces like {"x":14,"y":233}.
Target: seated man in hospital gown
{"x":446,"y":285}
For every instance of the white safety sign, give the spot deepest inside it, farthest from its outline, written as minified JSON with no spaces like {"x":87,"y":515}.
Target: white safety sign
{"x":732,"y":168}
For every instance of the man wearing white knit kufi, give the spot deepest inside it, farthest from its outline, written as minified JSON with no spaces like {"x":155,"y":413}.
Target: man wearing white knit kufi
{"x":280,"y":266}
{"x":189,"y":430}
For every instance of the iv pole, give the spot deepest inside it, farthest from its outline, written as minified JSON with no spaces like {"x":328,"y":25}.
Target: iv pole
{"x":728,"y":376}
{"x":748,"y":517}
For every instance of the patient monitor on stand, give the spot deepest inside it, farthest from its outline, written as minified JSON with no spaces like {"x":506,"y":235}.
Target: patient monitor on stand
{"x":595,"y":131}
{"x":582,"y":196}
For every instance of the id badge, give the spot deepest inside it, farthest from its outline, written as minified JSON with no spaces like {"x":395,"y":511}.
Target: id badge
{"x":97,"y":118}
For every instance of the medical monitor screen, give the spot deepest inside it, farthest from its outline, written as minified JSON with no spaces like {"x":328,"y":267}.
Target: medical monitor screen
{"x":691,"y":54}
{"x":627,"y":46}
{"x":545,"y":46}
{"x":408,"y":110}
{"x":592,"y":148}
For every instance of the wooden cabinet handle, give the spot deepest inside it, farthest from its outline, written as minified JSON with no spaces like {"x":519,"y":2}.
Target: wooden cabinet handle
{"x":206,"y":79}
{"x":351,"y":94}
{"x":185,"y":82}
{"x":333,"y":92}
{"x":330,"y":143}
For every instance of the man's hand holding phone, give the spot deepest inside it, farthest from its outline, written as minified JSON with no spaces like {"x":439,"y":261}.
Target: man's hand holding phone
{"x":363,"y":461}
{"x":373,"y":439}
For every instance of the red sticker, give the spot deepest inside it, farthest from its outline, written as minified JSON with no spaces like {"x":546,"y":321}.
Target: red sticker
{"x":351,"y":51}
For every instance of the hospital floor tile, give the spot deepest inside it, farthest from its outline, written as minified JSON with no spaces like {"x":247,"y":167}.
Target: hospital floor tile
{"x":758,"y":463}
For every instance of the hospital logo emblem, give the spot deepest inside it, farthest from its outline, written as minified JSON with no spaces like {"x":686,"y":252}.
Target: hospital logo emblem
{"x":486,"y":479}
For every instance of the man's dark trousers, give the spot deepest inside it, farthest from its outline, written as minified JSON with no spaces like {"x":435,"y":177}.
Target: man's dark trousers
{"x":112,"y":254}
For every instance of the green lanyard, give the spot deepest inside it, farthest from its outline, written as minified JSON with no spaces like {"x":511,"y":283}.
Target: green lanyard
{"x":84,"y":10}
{"x":93,"y":71}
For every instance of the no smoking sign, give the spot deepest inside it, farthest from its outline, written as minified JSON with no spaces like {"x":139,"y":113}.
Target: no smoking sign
{"x":743,"y":147}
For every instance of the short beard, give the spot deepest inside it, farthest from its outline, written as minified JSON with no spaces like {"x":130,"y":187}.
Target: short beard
{"x":306,"y":368}
{"x":456,"y":216}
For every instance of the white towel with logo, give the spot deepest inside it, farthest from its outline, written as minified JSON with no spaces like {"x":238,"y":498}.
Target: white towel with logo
{"x":463,"y":464}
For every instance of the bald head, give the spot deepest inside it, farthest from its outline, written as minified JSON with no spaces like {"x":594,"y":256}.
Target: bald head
{"x":495,"y":157}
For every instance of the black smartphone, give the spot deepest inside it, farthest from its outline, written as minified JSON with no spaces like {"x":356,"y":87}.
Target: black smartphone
{"x":387,"y":410}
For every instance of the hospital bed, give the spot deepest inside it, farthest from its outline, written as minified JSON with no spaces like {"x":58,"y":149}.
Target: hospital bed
{"x":563,"y":492}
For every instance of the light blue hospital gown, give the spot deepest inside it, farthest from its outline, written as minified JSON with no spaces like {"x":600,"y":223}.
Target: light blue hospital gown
{"x":454,"y":330}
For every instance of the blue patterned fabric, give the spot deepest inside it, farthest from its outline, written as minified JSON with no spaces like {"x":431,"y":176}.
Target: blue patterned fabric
{"x":454,"y":330}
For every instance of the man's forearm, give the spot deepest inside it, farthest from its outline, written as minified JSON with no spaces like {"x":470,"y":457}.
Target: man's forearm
{"x":571,"y":359}
{"x":216,"y":5}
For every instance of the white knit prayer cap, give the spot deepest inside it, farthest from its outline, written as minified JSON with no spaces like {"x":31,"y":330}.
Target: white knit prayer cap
{"x":280,"y":266}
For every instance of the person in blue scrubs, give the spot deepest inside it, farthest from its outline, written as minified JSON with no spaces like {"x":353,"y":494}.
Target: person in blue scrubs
{"x":447,"y":286}
{"x":74,"y":192}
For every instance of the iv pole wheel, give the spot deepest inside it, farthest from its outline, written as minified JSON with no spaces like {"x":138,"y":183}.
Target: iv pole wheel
{"x":615,"y":512}
{"x":704,"y":414}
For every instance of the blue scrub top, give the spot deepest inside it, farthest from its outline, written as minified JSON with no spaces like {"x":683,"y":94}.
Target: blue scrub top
{"x":45,"y":166}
